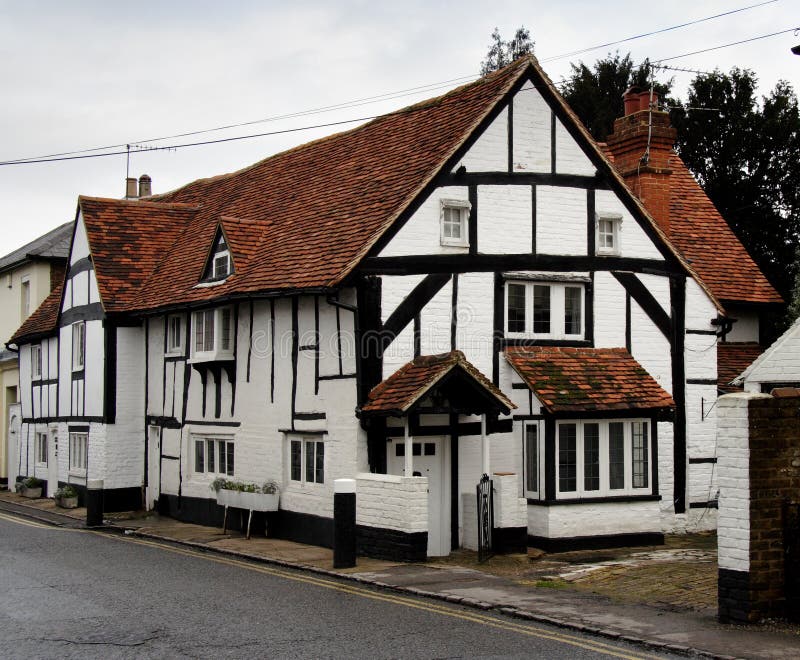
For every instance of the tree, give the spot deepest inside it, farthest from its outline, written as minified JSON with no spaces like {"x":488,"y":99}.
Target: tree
{"x":595,"y":94}
{"x":744,"y":153}
{"x":504,"y":52}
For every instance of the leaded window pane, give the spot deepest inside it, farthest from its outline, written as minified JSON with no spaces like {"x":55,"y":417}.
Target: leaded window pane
{"x":567,"y":458}
{"x":199,"y":456}
{"x":616,"y":455}
{"x":516,"y":308}
{"x":639,"y":454}
{"x":531,"y":458}
{"x":320,"y":463}
{"x":541,"y":309}
{"x":572,"y":310}
{"x":591,"y":457}
{"x":296,"y":460}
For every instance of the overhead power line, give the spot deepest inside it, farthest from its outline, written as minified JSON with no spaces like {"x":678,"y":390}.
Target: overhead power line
{"x":127,"y":147}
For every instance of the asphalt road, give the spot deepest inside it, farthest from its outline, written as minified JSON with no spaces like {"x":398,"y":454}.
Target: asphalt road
{"x":75,"y":593}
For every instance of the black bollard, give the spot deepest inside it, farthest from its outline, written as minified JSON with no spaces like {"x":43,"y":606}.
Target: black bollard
{"x":94,"y":503}
{"x":344,"y":523}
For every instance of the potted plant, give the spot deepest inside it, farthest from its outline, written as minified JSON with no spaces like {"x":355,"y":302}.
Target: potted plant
{"x":67,"y":497}
{"x":31,"y":488}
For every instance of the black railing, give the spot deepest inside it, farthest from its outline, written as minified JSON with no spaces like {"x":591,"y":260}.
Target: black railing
{"x":485,"y":518}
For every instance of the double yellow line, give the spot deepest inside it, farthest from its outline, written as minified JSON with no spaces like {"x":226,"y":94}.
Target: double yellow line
{"x":405,"y":601}
{"x":529,"y":630}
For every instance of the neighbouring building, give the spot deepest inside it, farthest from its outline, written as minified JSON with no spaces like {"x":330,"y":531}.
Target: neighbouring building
{"x":778,"y":366}
{"x":469,"y":285}
{"x":27,"y":276}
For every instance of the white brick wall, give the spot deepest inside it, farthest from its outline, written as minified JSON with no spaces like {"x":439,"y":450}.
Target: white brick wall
{"x":779,"y":363}
{"x":633,"y":242}
{"x":733,"y":531}
{"x":560,"y":220}
{"x":566,"y":521}
{"x":510,"y":510}
{"x":506,"y":222}
{"x":532,"y":117}
{"x":392,"y":502}
{"x":490,"y":151}
{"x":570,"y":158}
{"x":609,"y":311}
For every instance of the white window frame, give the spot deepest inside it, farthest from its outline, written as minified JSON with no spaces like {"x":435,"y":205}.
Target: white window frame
{"x":307,"y":460}
{"x":41,"y":449}
{"x":175,"y":347}
{"x":604,"y":460}
{"x":36,"y":361}
{"x":462,"y":207}
{"x":616,"y":223}
{"x":79,"y":346}
{"x":221,"y":446}
{"x":557,"y":310}
{"x":78,"y":452}
{"x":218,"y":257}
{"x":215,"y":349}
{"x":536,"y":463}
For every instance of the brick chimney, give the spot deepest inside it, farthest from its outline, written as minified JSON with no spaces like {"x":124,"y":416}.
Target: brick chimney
{"x":642,"y":144}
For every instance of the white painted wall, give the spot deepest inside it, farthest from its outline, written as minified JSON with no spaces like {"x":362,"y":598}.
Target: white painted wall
{"x":392,"y":502}
{"x":490,"y":151}
{"x":532,"y":118}
{"x":560,"y":220}
{"x":505,"y":219}
{"x":780,"y":363}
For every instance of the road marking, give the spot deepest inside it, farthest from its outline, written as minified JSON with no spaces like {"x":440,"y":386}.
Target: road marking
{"x":406,"y":601}
{"x":10,"y":517}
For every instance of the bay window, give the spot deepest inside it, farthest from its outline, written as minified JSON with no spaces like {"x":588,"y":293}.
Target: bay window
{"x":603,"y":458}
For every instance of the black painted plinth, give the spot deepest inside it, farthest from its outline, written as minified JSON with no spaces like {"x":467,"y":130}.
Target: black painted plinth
{"x":94,"y":507}
{"x":733,"y":588}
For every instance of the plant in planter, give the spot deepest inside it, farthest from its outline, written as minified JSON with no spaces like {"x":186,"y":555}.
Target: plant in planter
{"x":249,"y":496}
{"x":31,"y":487}
{"x":67,"y":497}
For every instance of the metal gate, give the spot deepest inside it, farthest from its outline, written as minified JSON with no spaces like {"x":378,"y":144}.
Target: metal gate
{"x":791,"y":566}
{"x":485,"y":518}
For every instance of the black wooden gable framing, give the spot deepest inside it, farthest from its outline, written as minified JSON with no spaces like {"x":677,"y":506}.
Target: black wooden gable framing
{"x":606,"y":178}
{"x":219,"y":244}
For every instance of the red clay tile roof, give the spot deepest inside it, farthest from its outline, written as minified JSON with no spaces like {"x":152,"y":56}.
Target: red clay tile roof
{"x":43,"y":321}
{"x":309,"y":214}
{"x":733,"y":359}
{"x":714,"y":251}
{"x":128,"y":239}
{"x":398,"y":393}
{"x":567,"y":380}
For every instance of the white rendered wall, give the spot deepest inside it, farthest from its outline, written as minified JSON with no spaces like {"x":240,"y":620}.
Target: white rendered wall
{"x":746,"y":327}
{"x":780,"y":363}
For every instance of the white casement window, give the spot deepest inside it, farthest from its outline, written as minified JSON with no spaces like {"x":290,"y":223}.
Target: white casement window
{"x":454,"y":220}
{"x":213,"y":334}
{"x":41,"y":449}
{"x":607,"y":236}
{"x":213,"y":455}
{"x":36,"y":361}
{"x":547,"y":310}
{"x":25,"y":298}
{"x":78,"y":449}
{"x":533,"y":452}
{"x":603,"y":458}
{"x":222,"y":265}
{"x":307,"y":460}
{"x":78,"y":345}
{"x":174,"y":335}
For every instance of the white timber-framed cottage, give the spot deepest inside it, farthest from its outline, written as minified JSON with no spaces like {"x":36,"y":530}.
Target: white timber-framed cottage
{"x":469,"y":285}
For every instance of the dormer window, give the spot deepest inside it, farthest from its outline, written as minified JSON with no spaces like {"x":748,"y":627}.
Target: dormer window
{"x":220,"y":262}
{"x":454,"y":218}
{"x":608,"y":233}
{"x":213,"y":335}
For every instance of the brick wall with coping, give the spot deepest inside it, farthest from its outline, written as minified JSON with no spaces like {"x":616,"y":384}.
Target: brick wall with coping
{"x":759,"y":473}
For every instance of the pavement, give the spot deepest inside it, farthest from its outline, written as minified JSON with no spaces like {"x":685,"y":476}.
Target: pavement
{"x":661,"y":597}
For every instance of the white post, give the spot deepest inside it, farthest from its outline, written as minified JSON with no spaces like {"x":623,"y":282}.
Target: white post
{"x":408,"y":469}
{"x":484,"y":447}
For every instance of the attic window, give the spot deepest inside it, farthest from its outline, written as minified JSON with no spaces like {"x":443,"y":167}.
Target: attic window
{"x":608,"y":233}
{"x":222,"y":265}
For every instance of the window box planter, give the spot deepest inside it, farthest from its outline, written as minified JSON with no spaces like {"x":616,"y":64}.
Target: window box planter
{"x":250,"y":497}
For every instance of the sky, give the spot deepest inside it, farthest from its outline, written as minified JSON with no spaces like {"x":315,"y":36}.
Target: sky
{"x":80,"y":75}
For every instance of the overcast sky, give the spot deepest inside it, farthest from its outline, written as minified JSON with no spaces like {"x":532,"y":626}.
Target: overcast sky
{"x":78,"y":75}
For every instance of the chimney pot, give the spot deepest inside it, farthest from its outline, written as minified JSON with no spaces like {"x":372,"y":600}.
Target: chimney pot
{"x":644,"y":100}
{"x":130,"y":188}
{"x":630,"y":98}
{"x":145,"y":186}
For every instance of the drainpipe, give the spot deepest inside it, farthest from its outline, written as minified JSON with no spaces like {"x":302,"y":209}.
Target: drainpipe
{"x":408,"y":468}
{"x":484,"y":447}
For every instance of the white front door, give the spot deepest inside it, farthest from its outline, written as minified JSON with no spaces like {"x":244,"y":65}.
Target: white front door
{"x":153,"y":467}
{"x":428,"y":461}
